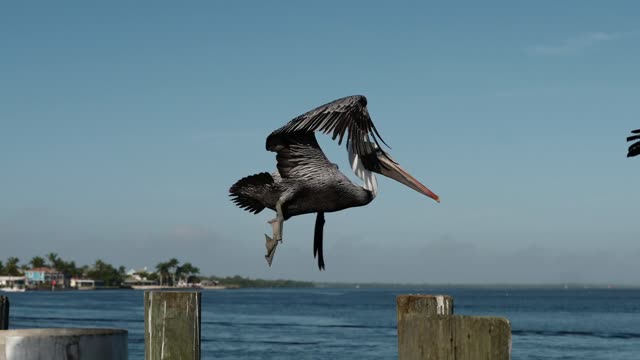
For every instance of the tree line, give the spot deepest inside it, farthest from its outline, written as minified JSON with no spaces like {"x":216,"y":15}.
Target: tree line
{"x":243,"y":282}
{"x":168,"y":273}
{"x":100,"y":270}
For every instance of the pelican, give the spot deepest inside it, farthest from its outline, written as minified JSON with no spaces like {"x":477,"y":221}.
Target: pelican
{"x":634,"y":149}
{"x":307,"y":182}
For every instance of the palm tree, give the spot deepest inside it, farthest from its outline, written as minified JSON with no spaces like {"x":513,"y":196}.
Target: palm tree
{"x":105,"y":272}
{"x":99,"y":265}
{"x":72,"y":270}
{"x":163,"y":271}
{"x":173,"y":264}
{"x":1,"y":268}
{"x":37,"y":261}
{"x":12,"y":268}
{"x":186,"y":270}
{"x":69,"y":270}
{"x":24,"y":267}
{"x":84,"y":271}
{"x":53,"y":259}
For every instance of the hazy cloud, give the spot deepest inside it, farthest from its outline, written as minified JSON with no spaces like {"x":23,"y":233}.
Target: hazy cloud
{"x":576,"y":44}
{"x":190,"y":232}
{"x":354,"y":258}
{"x":214,"y":135}
{"x":458,"y":262}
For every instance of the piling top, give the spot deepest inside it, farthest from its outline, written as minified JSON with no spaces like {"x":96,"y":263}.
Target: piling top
{"x":423,"y":305}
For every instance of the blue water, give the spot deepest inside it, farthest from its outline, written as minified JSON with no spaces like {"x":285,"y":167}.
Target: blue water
{"x":356,"y":323}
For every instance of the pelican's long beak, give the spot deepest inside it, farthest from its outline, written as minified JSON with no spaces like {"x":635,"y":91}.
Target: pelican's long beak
{"x":393,"y":170}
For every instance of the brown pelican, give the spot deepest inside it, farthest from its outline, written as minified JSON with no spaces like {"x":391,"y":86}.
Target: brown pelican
{"x":306,"y":182}
{"x":634,"y":149}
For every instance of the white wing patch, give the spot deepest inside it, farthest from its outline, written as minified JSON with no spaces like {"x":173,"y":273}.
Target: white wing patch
{"x":370,"y":181}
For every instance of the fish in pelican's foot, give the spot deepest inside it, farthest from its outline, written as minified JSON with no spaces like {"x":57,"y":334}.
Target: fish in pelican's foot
{"x":272,"y":243}
{"x":306,"y":182}
{"x":271,"y":248}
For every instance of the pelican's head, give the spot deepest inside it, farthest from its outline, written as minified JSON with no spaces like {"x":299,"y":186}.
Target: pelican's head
{"x":380,"y":162}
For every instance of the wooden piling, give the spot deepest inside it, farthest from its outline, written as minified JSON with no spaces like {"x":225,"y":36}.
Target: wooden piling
{"x":4,"y":313}
{"x":428,"y":330}
{"x":172,"y":325}
{"x":423,"y":305}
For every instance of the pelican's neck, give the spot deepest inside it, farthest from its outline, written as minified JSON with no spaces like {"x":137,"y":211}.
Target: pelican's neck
{"x":369,"y":179}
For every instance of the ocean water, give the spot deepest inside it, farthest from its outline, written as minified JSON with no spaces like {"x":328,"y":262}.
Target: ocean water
{"x":356,"y":323}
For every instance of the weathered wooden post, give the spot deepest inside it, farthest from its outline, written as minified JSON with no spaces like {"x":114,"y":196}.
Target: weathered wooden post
{"x":4,"y":313}
{"x":427,"y":329}
{"x":423,"y":305}
{"x":172,"y":325}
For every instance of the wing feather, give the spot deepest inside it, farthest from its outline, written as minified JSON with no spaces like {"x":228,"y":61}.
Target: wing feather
{"x":346,"y":116}
{"x":634,"y":149}
{"x":299,"y":156}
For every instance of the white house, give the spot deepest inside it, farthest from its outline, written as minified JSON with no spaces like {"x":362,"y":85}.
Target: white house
{"x":86,"y":284}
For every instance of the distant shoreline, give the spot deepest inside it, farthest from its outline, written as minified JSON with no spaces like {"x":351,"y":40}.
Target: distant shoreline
{"x":161,"y":287}
{"x":569,"y":286}
{"x":360,"y":286}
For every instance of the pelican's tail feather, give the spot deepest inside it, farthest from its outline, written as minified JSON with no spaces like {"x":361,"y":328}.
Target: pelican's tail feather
{"x":249,"y":192}
{"x":634,"y":149}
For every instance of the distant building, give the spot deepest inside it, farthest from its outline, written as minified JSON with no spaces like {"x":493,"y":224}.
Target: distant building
{"x":137,"y":282}
{"x":135,"y":274}
{"x":209,"y":282}
{"x":11,"y":280}
{"x":44,"y":275}
{"x":86,"y":284}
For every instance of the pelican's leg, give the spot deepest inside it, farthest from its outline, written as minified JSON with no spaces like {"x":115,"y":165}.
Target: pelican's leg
{"x":276,"y":225}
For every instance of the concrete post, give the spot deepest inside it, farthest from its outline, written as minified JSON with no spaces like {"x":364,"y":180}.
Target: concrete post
{"x":70,"y":344}
{"x":428,"y":330}
{"x":4,"y":313}
{"x":172,"y":325}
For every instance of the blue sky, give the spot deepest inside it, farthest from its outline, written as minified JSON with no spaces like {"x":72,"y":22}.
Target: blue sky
{"x":123,"y":125}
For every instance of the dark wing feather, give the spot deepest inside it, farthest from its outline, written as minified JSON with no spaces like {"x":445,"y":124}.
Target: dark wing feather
{"x":299,"y":156}
{"x":247,"y":192}
{"x":634,"y":149}
{"x":347,"y":116}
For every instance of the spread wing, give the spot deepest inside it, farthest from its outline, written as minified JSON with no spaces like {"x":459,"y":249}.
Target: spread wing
{"x":634,"y":149}
{"x":346,"y":116}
